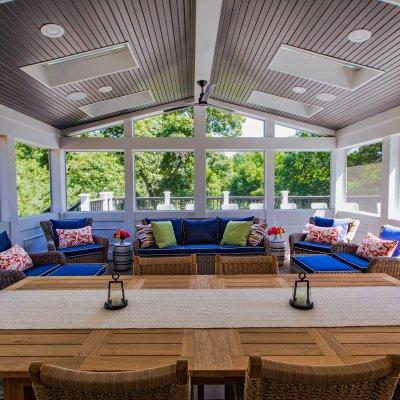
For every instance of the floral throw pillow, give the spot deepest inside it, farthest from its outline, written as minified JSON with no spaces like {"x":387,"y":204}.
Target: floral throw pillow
{"x":15,"y":259}
{"x":372,"y":246}
{"x":74,"y":237}
{"x":145,"y":235}
{"x":257,"y":234}
{"x":318,"y":234}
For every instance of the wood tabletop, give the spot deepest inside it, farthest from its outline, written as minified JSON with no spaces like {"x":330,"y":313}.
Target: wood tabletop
{"x":215,"y":355}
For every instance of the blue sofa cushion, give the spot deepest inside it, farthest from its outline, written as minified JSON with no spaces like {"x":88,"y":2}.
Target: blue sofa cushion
{"x":390,"y":232}
{"x":202,"y":248}
{"x":359,"y":263}
{"x":40,"y":270}
{"x":231,"y":249}
{"x":176,"y":224}
{"x":66,"y":224}
{"x":223,"y":222}
{"x":5,"y":242}
{"x":321,"y":264}
{"x":167,"y":251}
{"x":313,"y":247}
{"x":81,"y":250}
{"x":79,"y":270}
{"x":202,"y":231}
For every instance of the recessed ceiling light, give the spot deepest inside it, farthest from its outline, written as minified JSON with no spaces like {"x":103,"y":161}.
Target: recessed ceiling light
{"x":105,"y":89}
{"x":325,"y":96}
{"x":52,"y":31}
{"x":76,"y":96}
{"x":299,"y":89}
{"x":359,"y":36}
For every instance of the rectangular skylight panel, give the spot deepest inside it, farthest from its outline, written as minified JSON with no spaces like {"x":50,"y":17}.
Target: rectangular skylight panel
{"x":118,"y":104}
{"x":80,"y":67}
{"x":316,"y":67}
{"x":282,"y":104}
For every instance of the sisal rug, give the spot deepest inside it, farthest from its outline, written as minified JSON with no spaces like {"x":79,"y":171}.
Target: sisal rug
{"x":204,"y":308}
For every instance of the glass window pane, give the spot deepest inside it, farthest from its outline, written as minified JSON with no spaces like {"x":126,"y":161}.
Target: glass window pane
{"x":33,"y":180}
{"x":164,"y":180}
{"x":364,"y":169}
{"x":302,"y":180}
{"x":95,"y":181}
{"x":287,"y":131}
{"x":235,"y":180}
{"x":115,"y":131}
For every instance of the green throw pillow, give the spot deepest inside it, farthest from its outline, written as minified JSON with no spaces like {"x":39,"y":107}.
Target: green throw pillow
{"x":163,"y":232}
{"x":236,"y":233}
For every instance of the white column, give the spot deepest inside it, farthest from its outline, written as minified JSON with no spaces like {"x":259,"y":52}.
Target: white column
{"x":106,"y":198}
{"x":58,"y":182}
{"x":200,"y":163}
{"x":130,"y":193}
{"x":393,"y":177}
{"x":269,"y":188}
{"x":84,"y":199}
{"x":338,"y":179}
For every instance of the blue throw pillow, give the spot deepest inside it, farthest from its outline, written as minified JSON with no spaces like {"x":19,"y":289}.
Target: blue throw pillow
{"x":344,"y":223}
{"x":202,"y":231}
{"x":5,"y":242}
{"x":66,"y":224}
{"x":390,"y":232}
{"x":176,"y":224}
{"x":223,"y":222}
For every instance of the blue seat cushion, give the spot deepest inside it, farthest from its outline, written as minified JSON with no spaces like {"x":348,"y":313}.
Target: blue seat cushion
{"x":167,"y":251}
{"x":81,"y":250}
{"x":79,"y":270}
{"x":359,"y":263}
{"x":390,"y":232}
{"x":231,"y":249}
{"x":202,"y":231}
{"x":176,"y":224}
{"x":223,"y":222}
{"x":66,"y":224}
{"x":313,"y":247}
{"x":40,"y":270}
{"x":321,"y":264}
{"x":5,"y":242}
{"x":202,"y":248}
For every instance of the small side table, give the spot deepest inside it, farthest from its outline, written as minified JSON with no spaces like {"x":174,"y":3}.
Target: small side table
{"x":278,"y":247}
{"x":123,"y":256}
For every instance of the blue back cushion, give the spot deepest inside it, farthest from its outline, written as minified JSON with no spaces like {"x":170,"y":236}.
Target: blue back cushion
{"x":176,"y":224}
{"x":66,"y":224}
{"x":200,"y":231}
{"x":5,"y":242}
{"x":323,"y":222}
{"x":223,"y":222}
{"x":390,"y":232}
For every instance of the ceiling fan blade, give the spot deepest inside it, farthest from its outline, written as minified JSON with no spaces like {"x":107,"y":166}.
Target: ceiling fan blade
{"x":209,"y":89}
{"x":167,"y":110}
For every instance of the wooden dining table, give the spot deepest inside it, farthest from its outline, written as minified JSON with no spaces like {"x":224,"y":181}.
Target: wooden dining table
{"x":216,"y":356}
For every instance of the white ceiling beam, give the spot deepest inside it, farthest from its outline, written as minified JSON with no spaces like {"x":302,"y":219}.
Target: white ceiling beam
{"x":207,"y":22}
{"x":394,"y":2}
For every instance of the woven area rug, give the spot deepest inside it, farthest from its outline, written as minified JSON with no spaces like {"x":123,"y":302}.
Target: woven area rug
{"x":204,"y":308}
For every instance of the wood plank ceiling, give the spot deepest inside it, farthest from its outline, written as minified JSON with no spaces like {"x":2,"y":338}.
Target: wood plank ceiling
{"x":161,"y":33}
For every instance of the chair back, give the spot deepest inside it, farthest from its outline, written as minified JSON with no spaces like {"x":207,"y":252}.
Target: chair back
{"x":375,"y":379}
{"x":170,"y":382}
{"x":351,"y":229}
{"x":180,"y":265}
{"x":235,"y":265}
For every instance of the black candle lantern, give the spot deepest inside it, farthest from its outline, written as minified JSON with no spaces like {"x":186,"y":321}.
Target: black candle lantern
{"x":116,"y":294}
{"x":302,"y":294}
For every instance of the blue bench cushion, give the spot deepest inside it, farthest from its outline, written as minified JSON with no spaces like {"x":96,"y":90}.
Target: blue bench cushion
{"x":321,"y":264}
{"x":81,"y":250}
{"x":167,"y":251}
{"x":79,"y":270}
{"x":353,"y":260}
{"x":5,"y":242}
{"x":223,"y":222}
{"x":66,"y":224}
{"x":176,"y":224}
{"x":205,"y":248}
{"x":313,"y":247}
{"x":203,"y":231}
{"x":231,"y":249}
{"x":40,"y":270}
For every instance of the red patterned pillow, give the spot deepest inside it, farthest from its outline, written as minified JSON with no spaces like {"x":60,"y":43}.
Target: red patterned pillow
{"x":15,"y":259}
{"x":74,"y":237}
{"x":372,"y":246}
{"x":257,"y":234}
{"x":318,"y":234}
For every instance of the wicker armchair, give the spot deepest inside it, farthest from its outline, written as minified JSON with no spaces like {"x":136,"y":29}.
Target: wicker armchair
{"x":376,"y":379}
{"x":8,"y":278}
{"x":181,"y":265}
{"x":234,"y":265}
{"x":93,"y":257}
{"x":169,"y":382}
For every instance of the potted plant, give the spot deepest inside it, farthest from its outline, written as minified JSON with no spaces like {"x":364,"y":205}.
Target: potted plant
{"x":121,"y":234}
{"x":277,"y":231}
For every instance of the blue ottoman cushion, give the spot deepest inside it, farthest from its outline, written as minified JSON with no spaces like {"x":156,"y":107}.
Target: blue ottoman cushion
{"x":81,"y":250}
{"x":321,"y":264}
{"x":313,"y":247}
{"x":40,"y":270}
{"x":66,"y":224}
{"x":353,"y":260}
{"x":79,"y":270}
{"x":203,"y":231}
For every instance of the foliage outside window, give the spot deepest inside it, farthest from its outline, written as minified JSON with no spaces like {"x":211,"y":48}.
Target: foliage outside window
{"x":33,"y":180}
{"x":164,"y":180}
{"x":235,"y":180}
{"x":286,"y":131}
{"x":95,"y":181}
{"x":115,"y":131}
{"x":364,"y":169}
{"x":304,"y":179}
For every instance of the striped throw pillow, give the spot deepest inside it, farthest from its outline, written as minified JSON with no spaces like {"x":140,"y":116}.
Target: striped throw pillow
{"x":145,"y":235}
{"x":257,"y":234}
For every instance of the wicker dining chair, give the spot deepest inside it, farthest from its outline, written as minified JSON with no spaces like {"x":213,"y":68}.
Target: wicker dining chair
{"x":180,"y":265}
{"x":372,"y":380}
{"x":234,"y":265}
{"x":169,"y":382}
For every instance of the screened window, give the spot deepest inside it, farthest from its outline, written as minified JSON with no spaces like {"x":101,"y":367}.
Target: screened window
{"x":33,"y":180}
{"x":302,"y":180}
{"x":287,"y":131}
{"x":115,"y":131}
{"x":363,"y":186}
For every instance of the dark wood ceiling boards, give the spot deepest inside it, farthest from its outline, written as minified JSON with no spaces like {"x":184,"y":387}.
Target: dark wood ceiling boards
{"x":160,"y":32}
